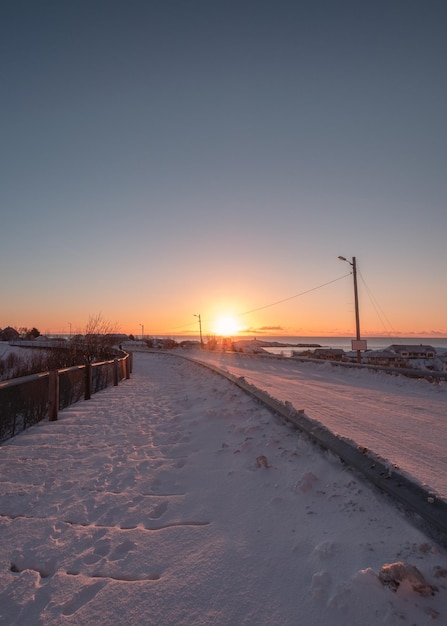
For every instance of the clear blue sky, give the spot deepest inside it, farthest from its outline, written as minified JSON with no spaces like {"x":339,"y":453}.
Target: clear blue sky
{"x":166,"y":158}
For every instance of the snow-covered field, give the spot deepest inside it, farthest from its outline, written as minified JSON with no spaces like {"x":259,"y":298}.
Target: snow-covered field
{"x":6,"y":349}
{"x":175,"y":498}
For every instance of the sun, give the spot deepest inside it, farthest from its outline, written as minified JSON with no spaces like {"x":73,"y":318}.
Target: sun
{"x":226,"y":326}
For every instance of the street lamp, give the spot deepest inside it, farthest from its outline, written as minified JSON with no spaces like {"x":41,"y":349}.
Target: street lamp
{"x":69,"y":323}
{"x":358,"y":344}
{"x":142,"y":332}
{"x":200,"y":327}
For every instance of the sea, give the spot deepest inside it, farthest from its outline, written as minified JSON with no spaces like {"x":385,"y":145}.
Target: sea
{"x":345,"y":343}
{"x":293,"y":343}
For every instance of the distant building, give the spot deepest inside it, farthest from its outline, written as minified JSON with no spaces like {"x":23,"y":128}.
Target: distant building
{"x":413,"y":351}
{"x":330,"y":354}
{"x":387,"y":358}
{"x":9,"y":334}
{"x":189,"y":343}
{"x":116,"y":338}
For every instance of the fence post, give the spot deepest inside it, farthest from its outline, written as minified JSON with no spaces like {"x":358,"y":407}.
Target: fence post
{"x":88,"y":381}
{"x":115,"y":373}
{"x":53,"y":395}
{"x":128,"y":365}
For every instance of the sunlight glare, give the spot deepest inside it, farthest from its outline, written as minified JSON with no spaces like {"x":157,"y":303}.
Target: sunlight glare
{"x":226,"y":327}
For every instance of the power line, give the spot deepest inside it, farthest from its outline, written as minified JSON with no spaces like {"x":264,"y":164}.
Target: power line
{"x":267,"y":306}
{"x":303,"y":293}
{"x":377,"y":308}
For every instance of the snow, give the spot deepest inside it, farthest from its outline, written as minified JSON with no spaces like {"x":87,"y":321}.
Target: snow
{"x":176,"y":498}
{"x":6,"y":350}
{"x":401,"y":419}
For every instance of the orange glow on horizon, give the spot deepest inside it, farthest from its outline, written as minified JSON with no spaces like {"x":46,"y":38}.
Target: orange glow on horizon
{"x":218,"y":318}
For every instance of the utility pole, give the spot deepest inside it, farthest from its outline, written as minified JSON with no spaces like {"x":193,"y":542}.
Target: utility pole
{"x":356,"y":300}
{"x":200,"y":328}
{"x":353,"y":264}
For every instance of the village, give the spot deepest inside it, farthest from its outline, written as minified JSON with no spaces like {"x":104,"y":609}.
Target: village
{"x":411,"y":356}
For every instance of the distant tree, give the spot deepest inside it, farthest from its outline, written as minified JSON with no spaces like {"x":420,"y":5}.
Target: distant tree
{"x":28,"y":333}
{"x":227,"y":344}
{"x":211,"y":343}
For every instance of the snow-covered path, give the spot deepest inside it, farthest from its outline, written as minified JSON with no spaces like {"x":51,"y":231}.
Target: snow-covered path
{"x":175,"y":498}
{"x":401,"y":419}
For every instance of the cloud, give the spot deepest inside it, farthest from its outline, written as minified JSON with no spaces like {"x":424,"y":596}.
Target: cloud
{"x":265,"y":329}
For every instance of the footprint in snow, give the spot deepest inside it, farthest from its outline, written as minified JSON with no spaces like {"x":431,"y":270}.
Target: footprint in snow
{"x":158,"y":511}
{"x":82,"y":598}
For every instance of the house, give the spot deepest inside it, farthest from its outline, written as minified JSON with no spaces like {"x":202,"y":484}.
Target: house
{"x":116,"y":338}
{"x":330,"y":354}
{"x":413,"y":351}
{"x":387,"y":358}
{"x":9,"y":334}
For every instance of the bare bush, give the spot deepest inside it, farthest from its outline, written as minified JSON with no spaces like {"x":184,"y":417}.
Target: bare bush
{"x":96,"y":345}
{"x":97,"y":342}
{"x":15,"y":365}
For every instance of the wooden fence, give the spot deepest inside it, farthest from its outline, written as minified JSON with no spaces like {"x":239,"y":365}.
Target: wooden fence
{"x":27,"y":400}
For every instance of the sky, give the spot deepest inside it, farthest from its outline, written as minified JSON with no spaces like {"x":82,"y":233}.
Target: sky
{"x":167,"y":159}
{"x":204,"y":508}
